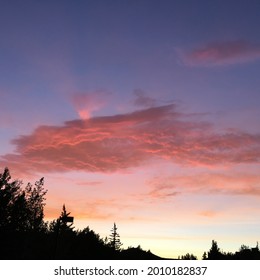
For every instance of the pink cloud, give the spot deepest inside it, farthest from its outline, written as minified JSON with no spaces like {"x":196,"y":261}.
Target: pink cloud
{"x":90,"y":183}
{"x":215,"y":183}
{"x":222,"y":53}
{"x":86,"y":103}
{"x":114,"y":143}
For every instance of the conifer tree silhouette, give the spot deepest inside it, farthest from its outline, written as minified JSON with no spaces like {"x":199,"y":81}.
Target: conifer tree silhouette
{"x":114,"y":239}
{"x":64,"y":233}
{"x":65,"y":219}
{"x":214,"y":252}
{"x":9,"y":192}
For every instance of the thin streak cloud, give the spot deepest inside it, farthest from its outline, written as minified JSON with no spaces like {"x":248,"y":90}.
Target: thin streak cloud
{"x":222,"y":53}
{"x":231,"y":183}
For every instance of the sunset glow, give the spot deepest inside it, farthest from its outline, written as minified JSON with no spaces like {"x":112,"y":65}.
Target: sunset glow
{"x":144,"y":113}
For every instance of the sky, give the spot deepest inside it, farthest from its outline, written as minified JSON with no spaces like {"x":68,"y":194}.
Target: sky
{"x":144,"y":113}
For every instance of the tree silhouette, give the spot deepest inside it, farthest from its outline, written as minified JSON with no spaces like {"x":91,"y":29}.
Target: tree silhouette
{"x":25,"y":235}
{"x":35,"y":197}
{"x":65,"y":219}
{"x":9,"y":194}
{"x":245,"y":252}
{"x":214,"y":252}
{"x":21,"y":209}
{"x":61,"y":224}
{"x":114,"y":239}
{"x":188,"y":257}
{"x":21,"y":214}
{"x":63,"y":234}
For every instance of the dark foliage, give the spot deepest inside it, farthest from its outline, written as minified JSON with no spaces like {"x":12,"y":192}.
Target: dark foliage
{"x":188,"y":257}
{"x":137,"y":254}
{"x":25,"y":235}
{"x":244,"y":253}
{"x":114,"y":239}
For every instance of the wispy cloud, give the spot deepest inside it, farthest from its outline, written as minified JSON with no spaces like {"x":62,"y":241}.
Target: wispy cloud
{"x":142,"y":100}
{"x":114,"y":143}
{"x":222,"y":53}
{"x":90,"y":183}
{"x":87,"y":102}
{"x":208,"y":213}
{"x":205,"y":183}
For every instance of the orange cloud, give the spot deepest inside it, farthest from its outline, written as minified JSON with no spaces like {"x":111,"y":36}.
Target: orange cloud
{"x":93,"y":211}
{"x":222,"y":53}
{"x":208,"y":213}
{"x":113,"y":143}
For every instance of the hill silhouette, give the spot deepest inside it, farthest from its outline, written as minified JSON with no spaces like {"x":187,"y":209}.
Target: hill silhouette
{"x":25,"y":235}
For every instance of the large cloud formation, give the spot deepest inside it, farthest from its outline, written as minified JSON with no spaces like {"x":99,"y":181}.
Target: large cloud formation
{"x":114,"y":143}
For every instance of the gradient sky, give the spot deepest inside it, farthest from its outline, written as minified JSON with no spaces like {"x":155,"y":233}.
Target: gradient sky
{"x":144,"y":113}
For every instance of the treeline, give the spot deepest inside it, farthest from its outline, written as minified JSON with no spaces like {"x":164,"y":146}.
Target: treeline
{"x":244,"y":253}
{"x":215,"y":253}
{"x":25,"y":235}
